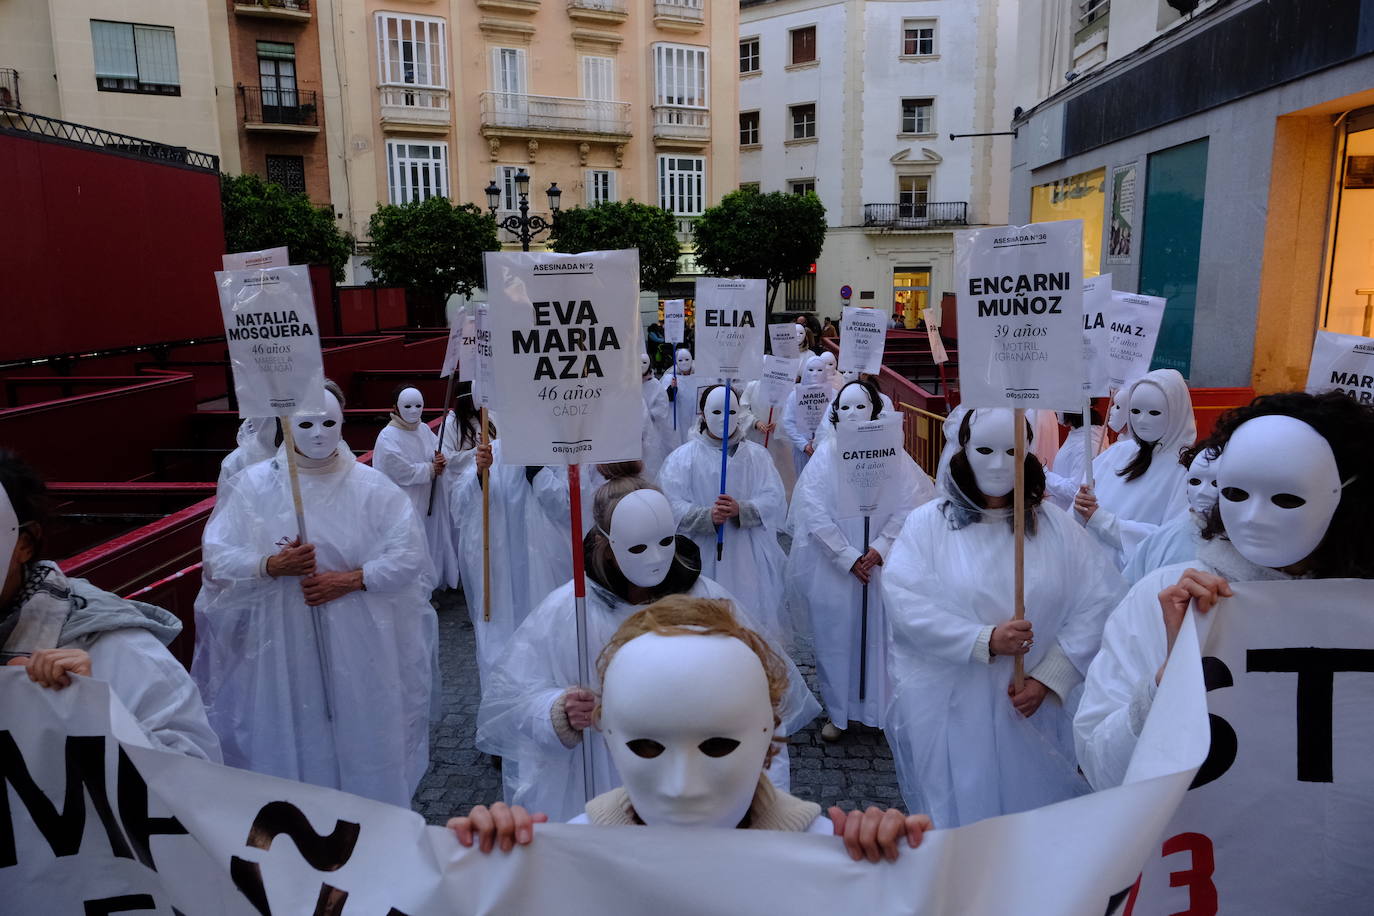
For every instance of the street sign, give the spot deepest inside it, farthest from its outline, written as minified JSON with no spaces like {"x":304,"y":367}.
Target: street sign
{"x":846,"y":292}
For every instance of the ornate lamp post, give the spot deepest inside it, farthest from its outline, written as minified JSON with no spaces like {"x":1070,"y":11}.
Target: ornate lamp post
{"x":522,"y":225}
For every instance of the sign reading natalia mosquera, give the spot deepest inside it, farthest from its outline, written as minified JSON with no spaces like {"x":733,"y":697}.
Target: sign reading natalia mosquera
{"x":866,"y":466}
{"x":1342,"y":362}
{"x":1134,"y":330}
{"x":1021,"y":315}
{"x":729,"y":328}
{"x":863,"y":336}
{"x":273,"y":339}
{"x":565,"y":341}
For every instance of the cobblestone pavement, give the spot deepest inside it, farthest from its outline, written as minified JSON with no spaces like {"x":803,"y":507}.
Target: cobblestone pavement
{"x":856,"y":771}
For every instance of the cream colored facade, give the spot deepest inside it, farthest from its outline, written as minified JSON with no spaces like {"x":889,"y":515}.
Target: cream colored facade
{"x":560,"y":88}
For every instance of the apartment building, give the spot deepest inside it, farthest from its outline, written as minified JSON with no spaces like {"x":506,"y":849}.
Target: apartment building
{"x":856,"y":101}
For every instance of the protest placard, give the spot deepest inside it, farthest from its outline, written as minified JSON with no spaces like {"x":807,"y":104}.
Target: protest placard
{"x":482,"y":381}
{"x":866,"y":466}
{"x":454,"y":347}
{"x":778,"y":379}
{"x":273,"y":341}
{"x":1097,"y":308}
{"x":1344,"y":363}
{"x":812,"y":404}
{"x":256,"y":260}
{"x":785,"y":339}
{"x":729,"y":328}
{"x":1134,"y":326}
{"x":863,"y":337}
{"x":675,"y":320}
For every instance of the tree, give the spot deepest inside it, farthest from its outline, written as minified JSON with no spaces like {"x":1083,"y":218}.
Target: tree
{"x":776,"y":237}
{"x":262,"y":214}
{"x":433,"y":249}
{"x":613,"y":225}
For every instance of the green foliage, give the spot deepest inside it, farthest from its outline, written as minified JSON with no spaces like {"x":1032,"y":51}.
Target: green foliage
{"x":431,"y":246}
{"x":776,"y":237}
{"x":261,"y":214}
{"x":614,"y":225}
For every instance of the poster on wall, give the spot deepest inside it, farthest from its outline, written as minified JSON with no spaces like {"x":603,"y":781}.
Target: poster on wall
{"x":1344,"y":363}
{"x":1082,"y":196}
{"x":1121,"y":225}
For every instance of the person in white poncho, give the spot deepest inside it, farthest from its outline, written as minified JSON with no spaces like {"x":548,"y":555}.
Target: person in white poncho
{"x":828,"y":568}
{"x":534,"y":711}
{"x":681,"y":389}
{"x":1179,"y":539}
{"x":364,"y":576}
{"x":407,"y":451}
{"x":752,"y":510}
{"x":1295,"y":498}
{"x":658,"y":437}
{"x":255,"y":442}
{"x":966,"y":744}
{"x":793,"y":423}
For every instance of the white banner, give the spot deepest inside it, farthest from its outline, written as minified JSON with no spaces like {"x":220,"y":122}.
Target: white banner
{"x":565,"y":341}
{"x":777,"y":381}
{"x":454,"y":346}
{"x":812,"y":403}
{"x":1021,"y":315}
{"x":937,"y":346}
{"x":784,"y":339}
{"x":1281,"y":816}
{"x":729,"y":328}
{"x":863,"y":337}
{"x":467,"y":343}
{"x":257,"y":260}
{"x":482,"y":356}
{"x":1135,"y":330}
{"x":273,"y":340}
{"x":866,"y":466}
{"x":1342,"y":362}
{"x":675,"y":320}
{"x":1097,"y":308}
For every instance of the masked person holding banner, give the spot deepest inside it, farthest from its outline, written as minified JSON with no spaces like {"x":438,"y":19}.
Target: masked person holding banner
{"x":534,"y":711}
{"x":354,"y":715}
{"x":407,"y":451}
{"x":967,"y":746}
{"x":751,"y":565}
{"x":1140,"y":486}
{"x":1178,"y":540}
{"x":681,"y":388}
{"x":828,"y":568}
{"x":56,"y":627}
{"x":803,"y":443}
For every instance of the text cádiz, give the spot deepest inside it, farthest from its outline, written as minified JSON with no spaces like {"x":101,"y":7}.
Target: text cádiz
{"x":1017,"y":291}
{"x":268,"y":326}
{"x":574,"y":348}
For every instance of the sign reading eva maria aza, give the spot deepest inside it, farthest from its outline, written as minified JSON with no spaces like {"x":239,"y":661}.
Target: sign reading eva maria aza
{"x":729,"y":328}
{"x":1021,"y":315}
{"x":565,"y":341}
{"x":273,"y":341}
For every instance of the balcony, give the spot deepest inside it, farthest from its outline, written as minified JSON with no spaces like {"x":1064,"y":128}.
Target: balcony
{"x":9,"y":88}
{"x":510,"y":7}
{"x":676,"y":126}
{"x":601,"y":12}
{"x":680,"y":15}
{"x":290,"y":10}
{"x":916,"y":216}
{"x":518,"y":115}
{"x":283,"y":111}
{"x":686,"y":229}
{"x":415,"y":108}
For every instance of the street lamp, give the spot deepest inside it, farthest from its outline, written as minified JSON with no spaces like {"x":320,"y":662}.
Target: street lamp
{"x":522,"y":225}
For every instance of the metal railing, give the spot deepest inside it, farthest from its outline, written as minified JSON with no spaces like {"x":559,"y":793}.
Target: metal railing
{"x":552,"y":113}
{"x":406,"y":96}
{"x":599,"y":6}
{"x":9,"y":88}
{"x":299,"y":6}
{"x":686,"y":228}
{"x":1090,"y":11}
{"x":694,"y":10}
{"x":673,"y":121}
{"x":280,"y":106}
{"x":923,"y":435}
{"x":916,"y":216}
{"x":96,"y":138}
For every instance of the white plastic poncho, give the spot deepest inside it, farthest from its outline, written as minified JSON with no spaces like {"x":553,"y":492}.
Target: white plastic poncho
{"x":792,"y":428}
{"x":540,"y":665}
{"x":821,"y":585}
{"x":963,"y":753}
{"x":406,"y":456}
{"x":779,"y":446}
{"x":751,"y":566}
{"x":256,"y":442}
{"x":1176,"y":541}
{"x":548,"y":520}
{"x":460,"y":456}
{"x":255,"y":657}
{"x":686,"y":407}
{"x":658,"y":437}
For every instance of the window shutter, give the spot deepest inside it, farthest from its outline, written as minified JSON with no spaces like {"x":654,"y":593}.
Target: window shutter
{"x":114,"y":50}
{"x":157,"y":55}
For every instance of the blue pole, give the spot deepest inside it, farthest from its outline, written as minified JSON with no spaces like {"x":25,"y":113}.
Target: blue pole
{"x":724,"y":467}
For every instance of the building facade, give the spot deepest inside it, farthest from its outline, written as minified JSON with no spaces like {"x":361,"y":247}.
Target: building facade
{"x":856,"y":101}
{"x":1219,"y":154}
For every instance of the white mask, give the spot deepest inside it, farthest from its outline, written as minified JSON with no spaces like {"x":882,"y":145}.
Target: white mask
{"x":688,"y":722}
{"x":317,"y":435}
{"x":850,"y":375}
{"x":991,"y":451}
{"x":853,"y":407}
{"x":801,"y":338}
{"x":1202,"y":483}
{"x":9,"y":531}
{"x":410,"y":405}
{"x":1279,"y":488}
{"x":814,"y":373}
{"x":829,"y":359}
{"x":642,"y":537}
{"x":644,"y":365}
{"x":1149,"y":412}
{"x":713,"y":411}
{"x":1116,"y":415}
{"x":684,"y":362}
{"x":259,"y":431}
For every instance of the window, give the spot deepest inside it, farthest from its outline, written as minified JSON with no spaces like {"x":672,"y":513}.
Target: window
{"x":135,"y":58}
{"x":749,"y":55}
{"x":410,"y":51}
{"x":805,"y":186}
{"x":287,"y":171}
{"x":748,"y":128}
{"x":681,"y":184}
{"x":803,"y":45}
{"x":277,"y":80}
{"x":600,"y":186}
{"x":803,"y":121}
{"x":749,"y":186}
{"x":918,"y":38}
{"x":801,"y":293}
{"x":913,"y":193}
{"x":505,"y":180}
{"x":598,"y":78}
{"x":416,"y":171}
{"x":918,"y":116}
{"x":680,"y":75}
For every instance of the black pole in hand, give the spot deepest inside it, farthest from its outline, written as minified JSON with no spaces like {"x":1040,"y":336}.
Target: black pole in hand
{"x":863,"y":629}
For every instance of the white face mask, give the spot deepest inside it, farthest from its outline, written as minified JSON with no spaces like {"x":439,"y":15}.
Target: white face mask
{"x":991,"y":451}
{"x":644,"y":365}
{"x":829,"y":359}
{"x":1202,"y":483}
{"x":642,"y":537}
{"x":688,"y":722}
{"x":1279,"y":488}
{"x":801,"y":338}
{"x":410,"y":405}
{"x":1149,"y":412}
{"x":853,"y":407}
{"x":1116,"y":415}
{"x":850,"y":375}
{"x":714,"y":412}
{"x":317,"y":435}
{"x":684,"y":362}
{"x":814,"y":373}
{"x":9,"y":532}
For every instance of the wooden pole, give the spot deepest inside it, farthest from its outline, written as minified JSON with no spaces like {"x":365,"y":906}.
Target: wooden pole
{"x":1019,"y":527}
{"x":321,"y":650}
{"x":443,"y":423}
{"x":770,"y":423}
{"x":1088,"y":422}
{"x":486,"y":527}
{"x":580,"y":614}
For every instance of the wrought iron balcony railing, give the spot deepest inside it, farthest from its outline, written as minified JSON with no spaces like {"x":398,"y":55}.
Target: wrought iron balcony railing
{"x":123,"y":144}
{"x":693,"y":10}
{"x":916,"y":215}
{"x":273,"y":7}
{"x":518,"y":111}
{"x":9,"y":88}
{"x":287,"y":107}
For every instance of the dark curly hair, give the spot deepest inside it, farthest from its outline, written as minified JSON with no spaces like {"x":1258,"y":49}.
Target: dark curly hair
{"x":1347,"y":550}
{"x":701,"y":404}
{"x":873,"y":398}
{"x":961,"y":472}
{"x":28,"y":495}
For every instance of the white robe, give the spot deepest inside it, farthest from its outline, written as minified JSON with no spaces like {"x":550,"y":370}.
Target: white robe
{"x":548,"y":521}
{"x":779,"y":446}
{"x":256,"y":657}
{"x":1072,"y":458}
{"x":250,"y":450}
{"x":796,"y":434}
{"x":820,"y":584}
{"x":406,"y":457}
{"x":963,"y":753}
{"x":751,"y":566}
{"x":1176,"y":541}
{"x":540,"y":665}
{"x":658,"y":437}
{"x":686,"y":407}
{"x":1129,"y":511}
